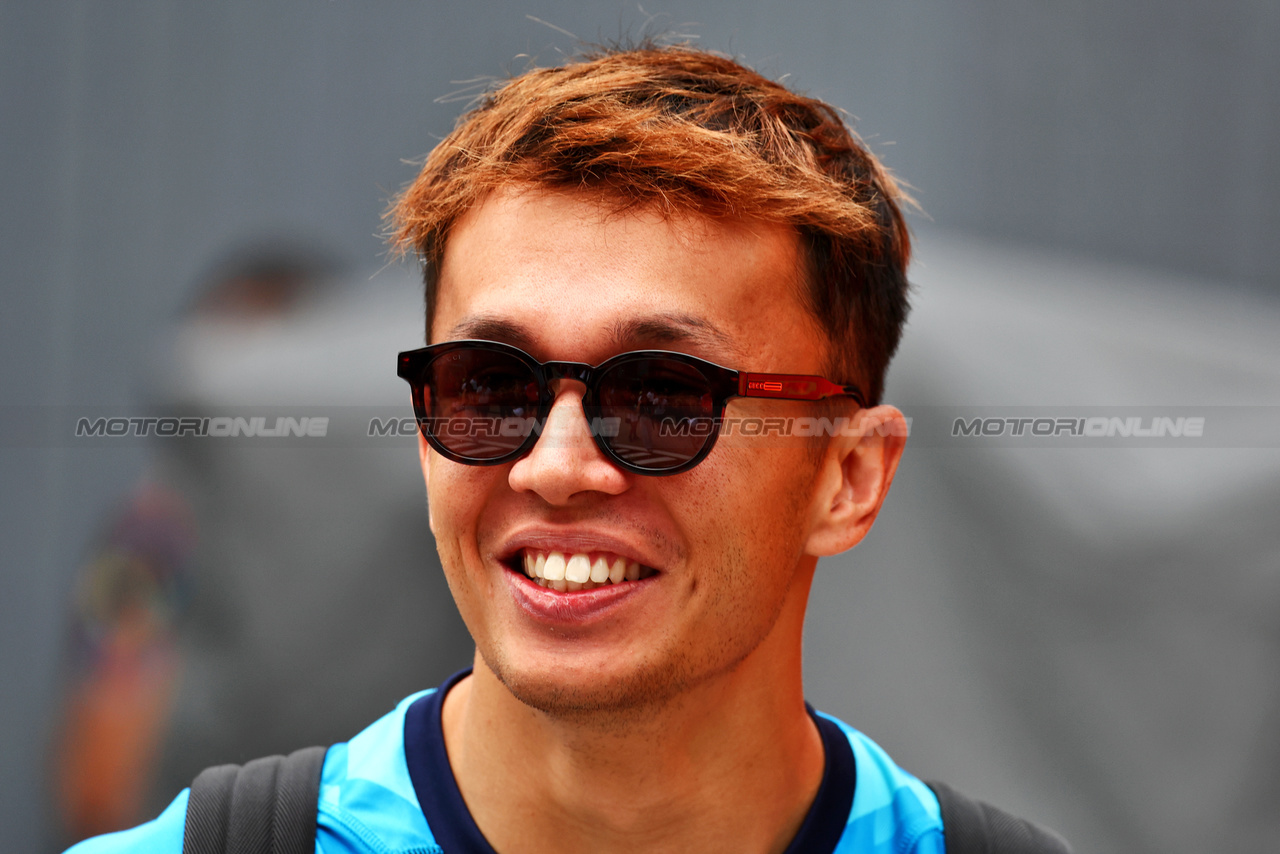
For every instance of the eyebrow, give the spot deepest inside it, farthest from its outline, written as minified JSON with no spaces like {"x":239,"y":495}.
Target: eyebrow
{"x":672,"y":328}
{"x":663,"y":330}
{"x":488,"y":328}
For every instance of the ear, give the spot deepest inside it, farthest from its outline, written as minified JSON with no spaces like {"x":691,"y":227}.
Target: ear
{"x":854,"y":479}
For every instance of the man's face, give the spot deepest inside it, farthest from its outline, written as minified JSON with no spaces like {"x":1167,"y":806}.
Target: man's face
{"x":566,"y":279}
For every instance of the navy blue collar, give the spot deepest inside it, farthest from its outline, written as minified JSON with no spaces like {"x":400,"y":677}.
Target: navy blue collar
{"x":456,"y":832}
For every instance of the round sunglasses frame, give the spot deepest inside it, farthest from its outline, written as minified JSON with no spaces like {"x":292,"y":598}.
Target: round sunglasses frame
{"x":723,"y":383}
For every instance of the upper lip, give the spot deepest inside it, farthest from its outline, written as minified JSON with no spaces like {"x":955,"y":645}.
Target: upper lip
{"x":575,"y":541}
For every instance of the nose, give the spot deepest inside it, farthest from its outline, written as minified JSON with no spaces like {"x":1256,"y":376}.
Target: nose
{"x":565,"y":461}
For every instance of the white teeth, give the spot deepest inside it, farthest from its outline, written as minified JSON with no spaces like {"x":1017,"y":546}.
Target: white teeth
{"x":553,"y":570}
{"x":578,"y":569}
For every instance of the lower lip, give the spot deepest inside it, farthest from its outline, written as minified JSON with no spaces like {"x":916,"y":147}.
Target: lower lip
{"x":575,"y":608}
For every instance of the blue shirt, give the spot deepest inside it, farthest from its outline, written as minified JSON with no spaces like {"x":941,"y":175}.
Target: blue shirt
{"x":390,"y":790}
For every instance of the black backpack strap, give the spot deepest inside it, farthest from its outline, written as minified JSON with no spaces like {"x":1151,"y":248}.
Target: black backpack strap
{"x":268,"y":806}
{"x":974,"y":827}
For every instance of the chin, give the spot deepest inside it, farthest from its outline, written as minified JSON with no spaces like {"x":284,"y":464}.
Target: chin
{"x":579,"y":689}
{"x":619,"y":687}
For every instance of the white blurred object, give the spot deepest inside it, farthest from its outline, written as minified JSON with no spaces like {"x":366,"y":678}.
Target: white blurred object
{"x":318,"y":597}
{"x":1086,"y":636}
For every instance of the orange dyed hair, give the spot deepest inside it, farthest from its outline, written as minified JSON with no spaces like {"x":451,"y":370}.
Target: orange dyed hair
{"x":687,"y":132}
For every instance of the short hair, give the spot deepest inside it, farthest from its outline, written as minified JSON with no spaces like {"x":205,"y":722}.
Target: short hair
{"x":688,"y":132}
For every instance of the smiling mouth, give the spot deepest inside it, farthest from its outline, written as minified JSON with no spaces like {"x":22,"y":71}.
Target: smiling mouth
{"x":574,"y":571}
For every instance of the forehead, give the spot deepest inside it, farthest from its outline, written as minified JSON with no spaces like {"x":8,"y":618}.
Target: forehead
{"x":566,"y":276}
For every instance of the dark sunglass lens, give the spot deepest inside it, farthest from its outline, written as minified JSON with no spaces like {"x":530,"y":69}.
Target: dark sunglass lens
{"x":657,"y":413}
{"x":480,"y":403}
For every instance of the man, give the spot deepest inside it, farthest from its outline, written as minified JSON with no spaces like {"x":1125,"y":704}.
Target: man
{"x":644,"y":271}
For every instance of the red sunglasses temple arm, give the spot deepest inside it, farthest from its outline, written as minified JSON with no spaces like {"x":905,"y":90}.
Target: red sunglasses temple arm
{"x":794,"y":387}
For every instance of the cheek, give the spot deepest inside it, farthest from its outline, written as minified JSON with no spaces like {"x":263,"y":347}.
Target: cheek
{"x":746,"y":543}
{"x":748,"y":503}
{"x":456,"y":496}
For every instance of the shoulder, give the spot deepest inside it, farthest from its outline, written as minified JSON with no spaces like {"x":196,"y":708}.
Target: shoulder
{"x":892,"y":810}
{"x":163,"y":835}
{"x":367,"y":800}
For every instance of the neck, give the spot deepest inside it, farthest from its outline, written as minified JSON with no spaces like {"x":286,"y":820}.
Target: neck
{"x":732,"y":763}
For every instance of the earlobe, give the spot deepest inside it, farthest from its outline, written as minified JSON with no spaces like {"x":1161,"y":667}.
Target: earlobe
{"x":854,"y":480}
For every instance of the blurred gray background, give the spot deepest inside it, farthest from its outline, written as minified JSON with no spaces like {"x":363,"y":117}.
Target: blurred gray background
{"x":1091,"y":637}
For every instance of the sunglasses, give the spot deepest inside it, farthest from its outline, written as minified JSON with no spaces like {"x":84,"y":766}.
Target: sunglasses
{"x":652,"y":412}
